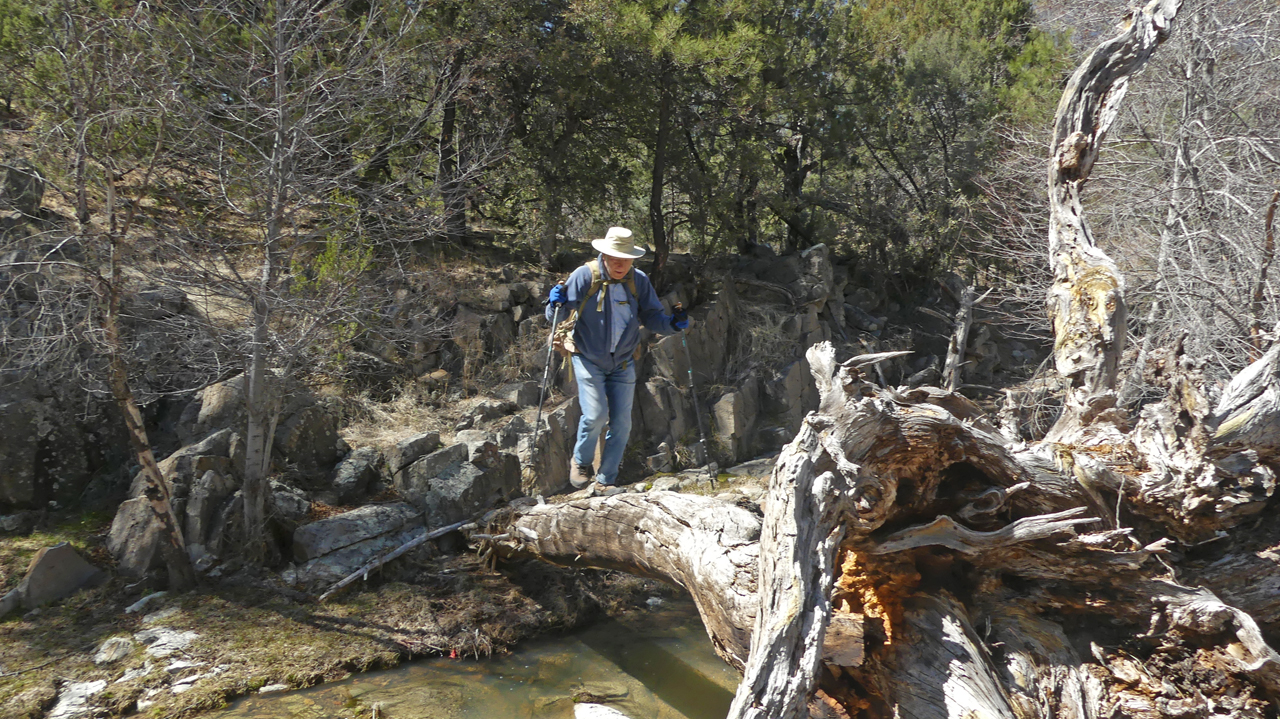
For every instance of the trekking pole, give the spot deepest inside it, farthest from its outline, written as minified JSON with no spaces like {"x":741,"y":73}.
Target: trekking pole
{"x":546,"y":372}
{"x":697,"y":413}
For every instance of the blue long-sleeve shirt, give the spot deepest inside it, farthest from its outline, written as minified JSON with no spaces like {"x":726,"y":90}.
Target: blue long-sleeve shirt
{"x":593,"y":335}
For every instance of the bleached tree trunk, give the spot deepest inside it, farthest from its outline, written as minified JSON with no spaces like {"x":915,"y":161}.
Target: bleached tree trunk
{"x":913,"y":561}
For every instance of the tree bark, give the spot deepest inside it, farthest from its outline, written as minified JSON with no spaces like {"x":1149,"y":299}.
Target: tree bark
{"x":658,"y":178}
{"x":913,"y":561}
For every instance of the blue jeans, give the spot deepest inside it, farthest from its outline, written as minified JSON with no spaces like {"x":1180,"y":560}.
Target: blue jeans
{"x":606,"y":398}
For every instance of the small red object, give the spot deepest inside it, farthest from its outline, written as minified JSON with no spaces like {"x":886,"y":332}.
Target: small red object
{"x":453,"y":653}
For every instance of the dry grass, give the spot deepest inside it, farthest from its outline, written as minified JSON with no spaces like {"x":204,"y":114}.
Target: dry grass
{"x":381,"y":424}
{"x":760,"y":341}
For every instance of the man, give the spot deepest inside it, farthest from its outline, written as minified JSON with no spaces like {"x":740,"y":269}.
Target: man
{"x":605,"y":337}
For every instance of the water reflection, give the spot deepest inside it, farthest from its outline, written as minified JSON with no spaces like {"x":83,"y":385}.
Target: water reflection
{"x":654,"y":665}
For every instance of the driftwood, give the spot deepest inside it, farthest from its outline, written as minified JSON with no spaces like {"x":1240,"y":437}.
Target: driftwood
{"x":909,"y":559}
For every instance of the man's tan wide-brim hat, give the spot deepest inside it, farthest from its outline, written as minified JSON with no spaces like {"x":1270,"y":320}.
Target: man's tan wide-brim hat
{"x":617,"y":242}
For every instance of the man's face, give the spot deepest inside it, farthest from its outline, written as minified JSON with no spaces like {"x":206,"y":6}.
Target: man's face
{"x":618,"y":266}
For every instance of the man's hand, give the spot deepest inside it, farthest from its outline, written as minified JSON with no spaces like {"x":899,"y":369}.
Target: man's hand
{"x":679,"y":317}
{"x":558,"y":295}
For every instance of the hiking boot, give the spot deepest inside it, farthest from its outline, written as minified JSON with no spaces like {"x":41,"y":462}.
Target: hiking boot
{"x":580,"y":475}
{"x":604,"y":490}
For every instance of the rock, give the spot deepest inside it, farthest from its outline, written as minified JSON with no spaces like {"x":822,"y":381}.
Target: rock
{"x":134,"y":538}
{"x":499,"y":333}
{"x":707,"y":339}
{"x":54,"y":572}
{"x":113,"y":650}
{"x":23,"y":188}
{"x":18,"y":425}
{"x":522,"y":394}
{"x":463,"y":490}
{"x":663,"y":410}
{"x":141,"y":604}
{"x":816,"y":276}
{"x":207,"y":494}
{"x":856,"y":317}
{"x":792,"y":395}
{"x":309,"y":439}
{"x":353,"y":475}
{"x":482,"y":451}
{"x":735,"y":418}
{"x":488,"y":409}
{"x":156,"y":303}
{"x":342,"y":562}
{"x":584,"y":710}
{"x":21,"y":523}
{"x":665,"y":484}
{"x":493,"y":299}
{"x":289,"y":506}
{"x":760,"y":467}
{"x":186,"y":465}
{"x":659,"y":463}
{"x":73,"y":701}
{"x":508,"y":437}
{"x":270,"y":688}
{"x":409,"y":450}
{"x":550,"y":461}
{"x":162,"y":641}
{"x":327,"y":535}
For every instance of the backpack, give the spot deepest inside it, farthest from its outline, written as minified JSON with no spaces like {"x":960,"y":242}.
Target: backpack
{"x":562,"y":336}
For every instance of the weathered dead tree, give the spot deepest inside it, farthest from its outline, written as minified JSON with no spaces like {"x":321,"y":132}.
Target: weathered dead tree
{"x":910,"y":560}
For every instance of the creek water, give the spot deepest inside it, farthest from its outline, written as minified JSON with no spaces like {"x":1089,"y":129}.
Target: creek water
{"x":657,"y":664}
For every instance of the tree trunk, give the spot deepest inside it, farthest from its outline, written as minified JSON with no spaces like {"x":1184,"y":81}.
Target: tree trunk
{"x":657,"y":218}
{"x":912,"y":561}
{"x":451,"y":187}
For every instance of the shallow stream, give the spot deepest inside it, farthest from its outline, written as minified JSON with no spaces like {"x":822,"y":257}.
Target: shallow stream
{"x":652,"y":665}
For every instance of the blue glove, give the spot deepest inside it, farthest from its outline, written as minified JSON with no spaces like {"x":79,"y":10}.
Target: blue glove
{"x":680,"y":318}
{"x":558,"y":295}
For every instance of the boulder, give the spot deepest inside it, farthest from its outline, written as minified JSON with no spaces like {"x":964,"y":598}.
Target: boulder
{"x":407,"y":451}
{"x":328,"y":535}
{"x":431,"y":466}
{"x":522,"y":394}
{"x":509,"y":436}
{"x":134,"y":538}
{"x":23,"y":188}
{"x":463,"y":490}
{"x":308,"y":438}
{"x":289,"y":506}
{"x":207,"y":494}
{"x":482,"y":450}
{"x":707,"y":339}
{"x":354,"y":474}
{"x":817,"y":276}
{"x":489,"y":409}
{"x":341,"y":562}
{"x":550,"y":461}
{"x":185,"y":466}
{"x":735,"y":418}
{"x":156,"y":303}
{"x":54,"y":572}
{"x":792,"y":394}
{"x":664,"y":410}
{"x":18,"y":425}
{"x":499,"y":333}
